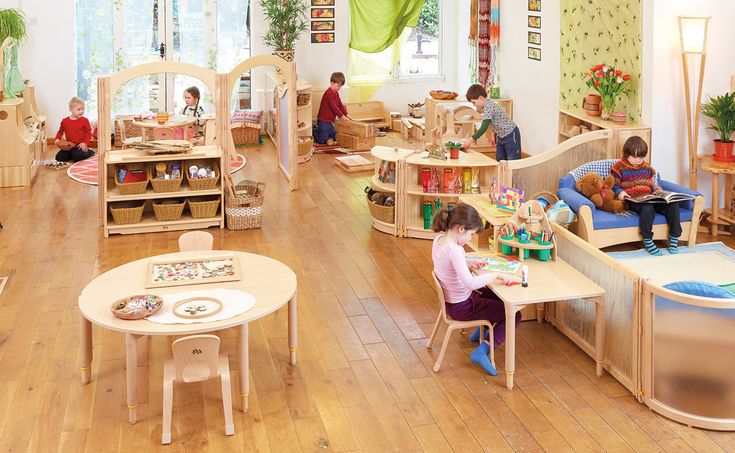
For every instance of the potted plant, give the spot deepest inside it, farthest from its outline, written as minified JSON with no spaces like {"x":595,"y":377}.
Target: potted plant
{"x":454,"y":147}
{"x":286,"y":21}
{"x":721,"y":110}
{"x":609,"y":83}
{"x":12,"y":25}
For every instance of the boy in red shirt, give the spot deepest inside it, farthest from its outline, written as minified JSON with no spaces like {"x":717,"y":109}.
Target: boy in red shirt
{"x":74,"y":134}
{"x":330,"y":109}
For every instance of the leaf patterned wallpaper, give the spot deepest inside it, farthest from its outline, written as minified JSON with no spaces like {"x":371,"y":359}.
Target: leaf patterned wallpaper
{"x":595,"y":32}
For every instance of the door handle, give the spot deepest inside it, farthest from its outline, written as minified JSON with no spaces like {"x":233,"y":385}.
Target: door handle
{"x":162,"y":50}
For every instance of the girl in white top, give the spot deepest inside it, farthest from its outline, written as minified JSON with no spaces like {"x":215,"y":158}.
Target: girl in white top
{"x":467,"y":296}
{"x":192,"y":108}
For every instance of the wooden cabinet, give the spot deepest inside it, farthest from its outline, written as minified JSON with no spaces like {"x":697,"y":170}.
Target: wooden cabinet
{"x":22,"y":139}
{"x":410,"y":197}
{"x":210,"y":155}
{"x":274,"y":90}
{"x":575,"y":122}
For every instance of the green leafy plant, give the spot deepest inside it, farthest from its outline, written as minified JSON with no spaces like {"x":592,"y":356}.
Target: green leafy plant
{"x":721,"y":110}
{"x":451,"y":144}
{"x":12,"y":24}
{"x":286,"y":21}
{"x":429,"y":18}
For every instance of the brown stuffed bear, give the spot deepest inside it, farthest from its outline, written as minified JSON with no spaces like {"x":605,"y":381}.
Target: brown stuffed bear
{"x":600,"y":192}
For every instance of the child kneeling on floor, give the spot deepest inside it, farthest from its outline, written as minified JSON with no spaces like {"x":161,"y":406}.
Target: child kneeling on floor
{"x":75,"y":134}
{"x":467,"y":296}
{"x":330,"y":108}
{"x":635,"y":178}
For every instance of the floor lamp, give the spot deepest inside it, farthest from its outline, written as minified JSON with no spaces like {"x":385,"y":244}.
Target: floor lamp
{"x":693,"y":36}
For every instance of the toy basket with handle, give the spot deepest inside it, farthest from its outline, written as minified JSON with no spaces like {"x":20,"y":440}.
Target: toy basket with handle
{"x":245,"y":133}
{"x":244,"y":205}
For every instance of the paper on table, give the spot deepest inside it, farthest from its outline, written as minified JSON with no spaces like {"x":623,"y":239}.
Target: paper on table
{"x":234,"y":303}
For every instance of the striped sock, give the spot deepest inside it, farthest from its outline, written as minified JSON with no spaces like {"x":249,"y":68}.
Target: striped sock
{"x":673,"y":245}
{"x":651,"y":247}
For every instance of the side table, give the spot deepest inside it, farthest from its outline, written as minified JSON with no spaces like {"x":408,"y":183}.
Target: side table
{"x":716,"y":168}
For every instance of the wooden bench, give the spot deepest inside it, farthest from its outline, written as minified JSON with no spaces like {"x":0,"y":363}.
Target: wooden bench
{"x":373,"y":112}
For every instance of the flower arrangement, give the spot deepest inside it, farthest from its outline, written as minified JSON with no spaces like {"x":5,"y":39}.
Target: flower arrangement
{"x":609,"y":83}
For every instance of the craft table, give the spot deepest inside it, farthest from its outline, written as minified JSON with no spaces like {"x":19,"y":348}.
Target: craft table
{"x":549,"y":281}
{"x":272,"y":283}
{"x":715,"y":168}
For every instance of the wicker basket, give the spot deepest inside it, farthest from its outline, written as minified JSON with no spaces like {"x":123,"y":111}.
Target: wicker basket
{"x":303,"y":98}
{"x":245,"y":133}
{"x":127,"y":212}
{"x":130,"y":130}
{"x":168,"y":211}
{"x":306,"y":146}
{"x":385,"y":214}
{"x":132,"y":188}
{"x":245,"y":210}
{"x":203,"y":207}
{"x":164,"y":185}
{"x":204,"y":183}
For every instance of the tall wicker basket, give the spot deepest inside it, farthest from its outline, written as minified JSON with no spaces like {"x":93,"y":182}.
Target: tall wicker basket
{"x":244,"y":205}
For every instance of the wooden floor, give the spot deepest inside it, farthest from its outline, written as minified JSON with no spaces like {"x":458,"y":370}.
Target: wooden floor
{"x":363,"y":381}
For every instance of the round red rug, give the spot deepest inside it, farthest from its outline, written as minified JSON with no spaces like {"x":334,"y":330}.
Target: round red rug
{"x":85,"y":171}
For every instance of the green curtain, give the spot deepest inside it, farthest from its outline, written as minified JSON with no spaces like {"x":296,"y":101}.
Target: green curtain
{"x":14,"y":84}
{"x":376,"y":24}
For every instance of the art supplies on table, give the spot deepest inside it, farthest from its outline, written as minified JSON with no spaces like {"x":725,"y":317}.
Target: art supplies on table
{"x":498,"y":264}
{"x":194,"y":270}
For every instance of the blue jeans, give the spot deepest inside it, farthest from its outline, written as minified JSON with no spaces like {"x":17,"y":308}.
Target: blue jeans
{"x":75,"y":154}
{"x":509,"y":147}
{"x":324,"y":131}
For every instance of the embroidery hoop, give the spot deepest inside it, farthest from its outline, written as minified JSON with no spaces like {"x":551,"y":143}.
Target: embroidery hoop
{"x":197,"y":316}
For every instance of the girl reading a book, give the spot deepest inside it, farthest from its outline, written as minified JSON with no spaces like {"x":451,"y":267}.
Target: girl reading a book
{"x":635,"y":178}
{"x":467,"y":296}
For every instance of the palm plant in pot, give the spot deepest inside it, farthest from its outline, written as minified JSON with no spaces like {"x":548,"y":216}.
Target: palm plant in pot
{"x":286,"y":21}
{"x":12,"y":25}
{"x":721,"y":110}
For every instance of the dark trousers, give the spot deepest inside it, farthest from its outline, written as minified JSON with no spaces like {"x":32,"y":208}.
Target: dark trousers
{"x":483,"y":304}
{"x":324,"y":131}
{"x":647,"y":211}
{"x":75,"y":154}
{"x":509,"y":147}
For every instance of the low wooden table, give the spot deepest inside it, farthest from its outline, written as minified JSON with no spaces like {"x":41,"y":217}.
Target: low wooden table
{"x":549,"y":281}
{"x":716,"y":168}
{"x":272,"y":283}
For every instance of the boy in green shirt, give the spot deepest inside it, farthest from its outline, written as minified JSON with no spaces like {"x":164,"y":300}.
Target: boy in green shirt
{"x":508,"y":143}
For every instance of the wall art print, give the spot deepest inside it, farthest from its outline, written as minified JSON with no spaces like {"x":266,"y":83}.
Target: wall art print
{"x":534,"y":37}
{"x":322,"y":2}
{"x":321,"y":38}
{"x":322,"y":13}
{"x":600,"y":32}
{"x":534,"y":53}
{"x":534,"y":21}
{"x":322,"y":25}
{"x":534,"y":5}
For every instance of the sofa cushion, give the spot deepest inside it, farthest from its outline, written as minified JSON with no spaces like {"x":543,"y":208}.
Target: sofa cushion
{"x":247,"y":116}
{"x":703,"y":289}
{"x":601,"y":167}
{"x":604,"y":220}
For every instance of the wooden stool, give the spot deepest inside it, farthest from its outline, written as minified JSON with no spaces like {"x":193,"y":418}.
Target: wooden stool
{"x":196,"y":358}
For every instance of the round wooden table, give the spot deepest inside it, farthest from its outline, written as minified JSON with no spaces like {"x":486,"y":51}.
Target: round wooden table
{"x":152,"y":125}
{"x":272,"y":283}
{"x":716,"y":168}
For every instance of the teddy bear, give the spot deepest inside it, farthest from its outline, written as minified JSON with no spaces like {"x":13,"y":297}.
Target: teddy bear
{"x":600,"y":192}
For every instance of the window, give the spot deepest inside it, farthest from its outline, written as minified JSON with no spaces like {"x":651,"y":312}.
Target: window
{"x":416,"y":54}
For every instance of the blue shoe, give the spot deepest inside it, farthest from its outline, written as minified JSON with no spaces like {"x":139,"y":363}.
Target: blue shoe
{"x":475,"y":336}
{"x":479,"y":356}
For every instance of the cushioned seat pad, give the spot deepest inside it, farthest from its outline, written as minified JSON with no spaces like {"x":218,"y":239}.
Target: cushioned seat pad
{"x":604,"y":220}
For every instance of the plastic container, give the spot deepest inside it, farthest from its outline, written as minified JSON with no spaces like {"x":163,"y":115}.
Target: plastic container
{"x":524,"y":239}
{"x":544,"y":255}
{"x":505,"y":248}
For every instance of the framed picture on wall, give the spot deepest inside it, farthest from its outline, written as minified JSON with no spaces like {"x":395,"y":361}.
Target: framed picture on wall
{"x":320,"y":38}
{"x":322,"y":13}
{"x":534,"y":53}
{"x":533,"y":5}
{"x":534,"y":37}
{"x":322,"y":25}
{"x":533,"y":21}
{"x":322,"y":2}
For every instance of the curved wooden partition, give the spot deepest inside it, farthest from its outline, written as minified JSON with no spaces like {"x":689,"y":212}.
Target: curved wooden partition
{"x":688,"y":357}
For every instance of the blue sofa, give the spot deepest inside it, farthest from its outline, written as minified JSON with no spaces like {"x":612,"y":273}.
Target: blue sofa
{"x":602,"y":229}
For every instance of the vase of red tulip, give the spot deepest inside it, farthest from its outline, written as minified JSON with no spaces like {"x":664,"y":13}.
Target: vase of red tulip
{"x":609,"y":83}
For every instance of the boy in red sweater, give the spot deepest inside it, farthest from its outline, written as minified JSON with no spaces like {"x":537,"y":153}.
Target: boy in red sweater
{"x":330,"y":109}
{"x":74,"y":134}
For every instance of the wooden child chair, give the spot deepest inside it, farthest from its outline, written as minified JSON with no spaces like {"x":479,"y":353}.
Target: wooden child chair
{"x":453,"y":325}
{"x":124,"y":139}
{"x":196,"y":358}
{"x":195,"y":240}
{"x":164,"y":133}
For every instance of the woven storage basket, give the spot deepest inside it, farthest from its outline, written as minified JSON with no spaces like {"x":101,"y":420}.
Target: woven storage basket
{"x":245,"y":209}
{"x":203,"y":207}
{"x":306,"y":146}
{"x":168,"y":211}
{"x":164,"y":185}
{"x":130,"y":130}
{"x":127,"y":212}
{"x":303,"y":98}
{"x":245,"y":133}
{"x":202,"y":184}
{"x":132,"y":188}
{"x":379,"y":212}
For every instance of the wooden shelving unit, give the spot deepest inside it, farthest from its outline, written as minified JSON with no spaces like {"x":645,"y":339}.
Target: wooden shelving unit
{"x":22,"y":139}
{"x":409,"y":193}
{"x":575,"y":122}
{"x":303,"y":112}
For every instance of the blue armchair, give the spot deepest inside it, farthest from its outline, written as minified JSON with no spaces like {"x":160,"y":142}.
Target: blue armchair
{"x":602,"y":229}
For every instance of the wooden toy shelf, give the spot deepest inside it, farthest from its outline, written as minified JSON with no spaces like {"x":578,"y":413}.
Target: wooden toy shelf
{"x":22,"y":139}
{"x":575,"y":122}
{"x":409,"y":194}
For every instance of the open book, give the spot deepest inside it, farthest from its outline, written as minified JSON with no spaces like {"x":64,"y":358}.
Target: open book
{"x":662,"y":196}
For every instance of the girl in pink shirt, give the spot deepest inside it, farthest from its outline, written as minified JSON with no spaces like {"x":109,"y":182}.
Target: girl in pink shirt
{"x":467,"y":296}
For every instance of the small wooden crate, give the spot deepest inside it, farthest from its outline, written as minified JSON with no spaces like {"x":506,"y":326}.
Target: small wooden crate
{"x":352,"y":164}
{"x":355,"y":142}
{"x":245,"y":133}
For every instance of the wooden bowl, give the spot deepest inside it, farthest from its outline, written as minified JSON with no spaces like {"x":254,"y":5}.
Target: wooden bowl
{"x":444,"y":95}
{"x":136,"y":307}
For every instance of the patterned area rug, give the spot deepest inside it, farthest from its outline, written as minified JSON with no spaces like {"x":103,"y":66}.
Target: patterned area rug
{"x":85,"y":171}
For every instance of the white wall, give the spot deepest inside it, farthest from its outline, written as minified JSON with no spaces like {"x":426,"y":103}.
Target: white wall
{"x":665,"y":81}
{"x":533,"y":85}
